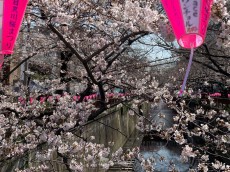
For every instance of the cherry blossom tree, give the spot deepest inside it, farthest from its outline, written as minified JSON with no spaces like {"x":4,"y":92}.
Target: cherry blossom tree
{"x":93,"y":41}
{"x":93,"y":37}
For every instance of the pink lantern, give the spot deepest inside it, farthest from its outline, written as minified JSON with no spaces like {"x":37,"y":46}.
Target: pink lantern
{"x":86,"y":98}
{"x":11,"y":15}
{"x":75,"y":98}
{"x":189,"y":20}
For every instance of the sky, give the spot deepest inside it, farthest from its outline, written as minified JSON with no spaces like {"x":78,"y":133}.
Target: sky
{"x":150,"y":48}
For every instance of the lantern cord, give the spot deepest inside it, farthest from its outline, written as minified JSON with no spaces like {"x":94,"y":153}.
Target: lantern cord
{"x":187,"y":72}
{"x":1,"y":60}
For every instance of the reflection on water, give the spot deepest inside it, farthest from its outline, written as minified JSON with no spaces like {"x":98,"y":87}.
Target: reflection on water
{"x":166,"y":157}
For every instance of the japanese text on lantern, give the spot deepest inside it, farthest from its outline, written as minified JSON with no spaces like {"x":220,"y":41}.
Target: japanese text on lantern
{"x":12,"y":24}
{"x":191,"y":14}
{"x":205,"y":16}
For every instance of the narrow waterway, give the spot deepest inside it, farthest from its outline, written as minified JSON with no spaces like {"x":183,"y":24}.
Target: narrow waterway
{"x":166,"y":154}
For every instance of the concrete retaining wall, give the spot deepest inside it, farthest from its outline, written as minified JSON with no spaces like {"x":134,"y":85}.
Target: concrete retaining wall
{"x":107,"y":127}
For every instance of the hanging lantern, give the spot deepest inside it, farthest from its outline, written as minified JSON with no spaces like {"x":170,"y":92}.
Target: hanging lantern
{"x":11,"y":15}
{"x":189,"y":20}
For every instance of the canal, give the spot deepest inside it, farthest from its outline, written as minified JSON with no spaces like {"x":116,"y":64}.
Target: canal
{"x":166,"y":155}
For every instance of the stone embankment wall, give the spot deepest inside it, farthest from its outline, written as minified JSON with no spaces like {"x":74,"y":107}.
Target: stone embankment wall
{"x":109,"y":126}
{"x":115,"y":125}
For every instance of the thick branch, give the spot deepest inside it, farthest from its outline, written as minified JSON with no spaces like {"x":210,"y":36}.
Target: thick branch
{"x":61,"y":37}
{"x":68,"y":45}
{"x":215,"y":63}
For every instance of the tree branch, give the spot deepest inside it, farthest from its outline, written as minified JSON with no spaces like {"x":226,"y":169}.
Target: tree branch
{"x":23,"y":61}
{"x":214,"y":62}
